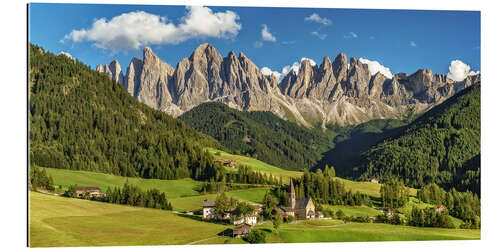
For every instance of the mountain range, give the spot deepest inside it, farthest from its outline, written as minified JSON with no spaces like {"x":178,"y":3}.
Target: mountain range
{"x":341,"y":92}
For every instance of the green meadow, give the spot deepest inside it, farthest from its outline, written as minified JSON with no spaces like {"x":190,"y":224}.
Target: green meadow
{"x":254,"y":164}
{"x":369,"y":188}
{"x":182,"y":194}
{"x":355,"y":210}
{"x":352,"y":232}
{"x":58,"y":221}
{"x":173,"y":188}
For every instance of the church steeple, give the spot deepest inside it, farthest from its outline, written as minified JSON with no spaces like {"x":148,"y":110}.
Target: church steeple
{"x":291,"y":195}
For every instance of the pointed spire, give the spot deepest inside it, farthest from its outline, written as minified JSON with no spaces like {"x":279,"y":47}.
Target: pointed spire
{"x":292,"y":189}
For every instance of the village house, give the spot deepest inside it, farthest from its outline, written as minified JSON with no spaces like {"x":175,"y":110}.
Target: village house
{"x":241,"y":230}
{"x":386,"y":210}
{"x":439,"y":208}
{"x":226,"y":163}
{"x":88,"y":191}
{"x":208,"y":207}
{"x":374,"y":181}
{"x":302,"y":209}
{"x":250,"y":219}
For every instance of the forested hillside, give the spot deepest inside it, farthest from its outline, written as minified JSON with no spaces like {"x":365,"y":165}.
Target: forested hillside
{"x":81,"y":120}
{"x":350,"y":142}
{"x":261,"y":135}
{"x":441,"y":146}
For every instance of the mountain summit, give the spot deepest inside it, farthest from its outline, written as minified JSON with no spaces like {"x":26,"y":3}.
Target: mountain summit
{"x":335,"y":92}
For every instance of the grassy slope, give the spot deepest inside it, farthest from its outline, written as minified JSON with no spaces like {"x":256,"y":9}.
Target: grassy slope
{"x":254,"y":164}
{"x":183,"y":194}
{"x":173,"y":188}
{"x":355,"y":211}
{"x":58,"y":221}
{"x":303,"y":232}
{"x":372,"y":189}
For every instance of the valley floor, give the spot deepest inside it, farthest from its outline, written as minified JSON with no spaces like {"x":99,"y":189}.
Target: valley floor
{"x":59,"y":221}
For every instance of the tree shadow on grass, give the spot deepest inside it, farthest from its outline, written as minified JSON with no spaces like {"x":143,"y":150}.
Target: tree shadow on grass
{"x":198,"y":218}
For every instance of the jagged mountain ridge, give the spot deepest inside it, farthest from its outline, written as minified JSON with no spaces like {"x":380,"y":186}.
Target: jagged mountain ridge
{"x":339,"y":93}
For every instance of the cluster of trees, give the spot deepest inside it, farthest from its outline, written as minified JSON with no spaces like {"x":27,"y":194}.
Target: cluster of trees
{"x":394,"y":194}
{"x":81,"y":120}
{"x":40,"y":179}
{"x":244,"y":177}
{"x":256,"y":236}
{"x":429,"y":218}
{"x":223,"y":204}
{"x":441,"y":146}
{"x":463,"y":205}
{"x":129,"y":195}
{"x":261,"y":135}
{"x":322,"y":188}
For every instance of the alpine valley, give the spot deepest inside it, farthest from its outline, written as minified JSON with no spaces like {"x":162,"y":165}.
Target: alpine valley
{"x":226,"y":154}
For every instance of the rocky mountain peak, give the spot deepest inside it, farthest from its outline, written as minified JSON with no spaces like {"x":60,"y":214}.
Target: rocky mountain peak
{"x":326,"y":64}
{"x":322,"y":94}
{"x":340,"y":67}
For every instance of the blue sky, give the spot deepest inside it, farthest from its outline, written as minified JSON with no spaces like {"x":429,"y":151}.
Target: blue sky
{"x":400,"y":40}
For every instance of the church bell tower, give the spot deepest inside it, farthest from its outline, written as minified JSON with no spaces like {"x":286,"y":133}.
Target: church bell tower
{"x":291,"y":195}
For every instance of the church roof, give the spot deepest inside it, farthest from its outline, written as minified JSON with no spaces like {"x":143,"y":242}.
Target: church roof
{"x":302,"y":203}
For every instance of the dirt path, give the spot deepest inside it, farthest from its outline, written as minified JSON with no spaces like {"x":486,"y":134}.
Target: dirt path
{"x":198,"y":241}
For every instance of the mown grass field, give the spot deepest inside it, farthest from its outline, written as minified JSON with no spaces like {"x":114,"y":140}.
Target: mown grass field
{"x":58,"y":221}
{"x":182,"y":194}
{"x":254,"y":195}
{"x":356,"y":232}
{"x":355,"y":211}
{"x":173,"y":188}
{"x":369,"y":188}
{"x":254,"y":164}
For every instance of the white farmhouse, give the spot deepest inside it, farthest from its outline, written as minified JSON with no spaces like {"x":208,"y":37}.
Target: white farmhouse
{"x":208,"y":209}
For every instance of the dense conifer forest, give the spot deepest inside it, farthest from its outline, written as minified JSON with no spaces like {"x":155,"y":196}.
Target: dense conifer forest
{"x":261,"y":135}
{"x":442,"y":146}
{"x":81,"y":120}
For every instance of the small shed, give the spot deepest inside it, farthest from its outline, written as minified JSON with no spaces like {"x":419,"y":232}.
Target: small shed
{"x":88,"y":191}
{"x":241,"y":230}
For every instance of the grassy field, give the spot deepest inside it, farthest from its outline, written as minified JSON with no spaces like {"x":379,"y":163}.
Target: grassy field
{"x":351,"y":232}
{"x":182,"y":194}
{"x":173,"y":188}
{"x":355,"y":211}
{"x":58,"y":221}
{"x":372,"y":189}
{"x":254,"y":195}
{"x":254,"y":164}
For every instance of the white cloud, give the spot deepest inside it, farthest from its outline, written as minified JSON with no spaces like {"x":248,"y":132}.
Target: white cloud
{"x":295,"y":67}
{"x":413,"y":44}
{"x":266,"y":34}
{"x":135,"y":29}
{"x":311,"y":61}
{"x":316,"y":18}
{"x":66,"y":54}
{"x":319,"y":35}
{"x":375,"y":67}
{"x":258,"y":44}
{"x":267,"y":72}
{"x":351,"y":35}
{"x":458,"y":71}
